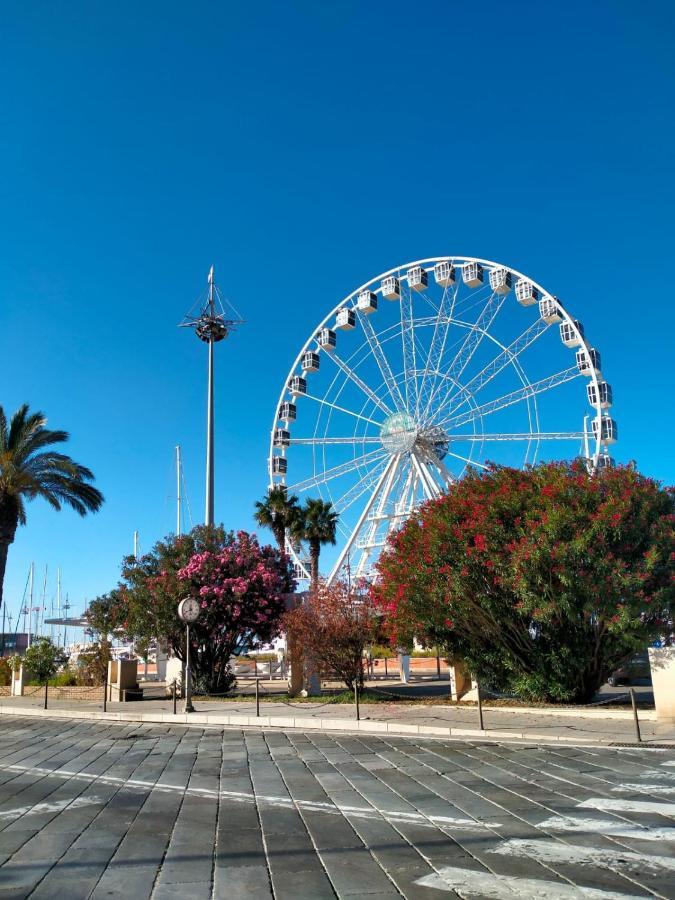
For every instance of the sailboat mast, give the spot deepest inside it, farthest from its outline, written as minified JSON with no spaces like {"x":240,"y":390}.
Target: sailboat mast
{"x":30,"y":601}
{"x":178,"y":496}
{"x":58,"y":606}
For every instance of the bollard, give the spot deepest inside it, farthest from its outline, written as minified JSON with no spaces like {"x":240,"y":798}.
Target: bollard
{"x":438,"y":667}
{"x":105,"y":690}
{"x":271,"y":675}
{"x":46,"y":691}
{"x":385,"y":668}
{"x":480,"y":707}
{"x":635,"y":716}
{"x":257,"y":698}
{"x":173,"y":689}
{"x":356,"y":698}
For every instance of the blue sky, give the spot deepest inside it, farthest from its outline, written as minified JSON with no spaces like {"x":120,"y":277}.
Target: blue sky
{"x":303,"y":148}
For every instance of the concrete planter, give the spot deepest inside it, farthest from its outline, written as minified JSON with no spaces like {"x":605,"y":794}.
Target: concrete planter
{"x":662,"y":663}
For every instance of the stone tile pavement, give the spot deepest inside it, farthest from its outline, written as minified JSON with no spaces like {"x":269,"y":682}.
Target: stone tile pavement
{"x":110,"y":809}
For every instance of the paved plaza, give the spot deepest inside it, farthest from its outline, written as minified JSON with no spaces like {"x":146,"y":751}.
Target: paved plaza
{"x":101,"y":810}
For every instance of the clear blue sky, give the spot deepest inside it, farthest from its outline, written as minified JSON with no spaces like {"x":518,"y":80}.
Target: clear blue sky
{"x":302,"y":148}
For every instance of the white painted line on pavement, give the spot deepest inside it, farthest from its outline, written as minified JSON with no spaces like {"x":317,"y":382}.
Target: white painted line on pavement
{"x":54,"y":806}
{"x":358,"y":812}
{"x":637,"y":806}
{"x":485,"y":884}
{"x":613,"y":827}
{"x":552,"y":851}
{"x":645,"y":788}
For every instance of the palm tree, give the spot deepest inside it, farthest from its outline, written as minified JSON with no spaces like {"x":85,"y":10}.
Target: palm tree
{"x":317,"y":526}
{"x":29,"y":469}
{"x":278,"y":512}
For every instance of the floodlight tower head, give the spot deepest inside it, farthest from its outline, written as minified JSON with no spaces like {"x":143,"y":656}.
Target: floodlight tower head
{"x":212,"y":317}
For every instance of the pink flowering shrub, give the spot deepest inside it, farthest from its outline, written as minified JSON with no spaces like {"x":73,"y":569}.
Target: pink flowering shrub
{"x":240,"y":589}
{"x":240,"y":586}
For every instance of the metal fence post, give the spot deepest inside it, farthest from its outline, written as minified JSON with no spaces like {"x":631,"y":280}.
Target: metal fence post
{"x":438,"y":666}
{"x":480,"y":707}
{"x":385,"y":668}
{"x":356,"y":698}
{"x":173,"y":690}
{"x":46,"y":692}
{"x":271,"y":675}
{"x":257,"y":697}
{"x":635,"y":716}
{"x":105,"y":690}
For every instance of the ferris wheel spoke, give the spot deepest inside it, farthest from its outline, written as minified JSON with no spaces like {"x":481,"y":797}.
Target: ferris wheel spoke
{"x":437,"y":346}
{"x":349,"y":412}
{"x":382,"y":363}
{"x":356,"y":491}
{"x":524,"y":436}
{"x":337,"y":471}
{"x":409,"y":355}
{"x":465,"y":459}
{"x":499,"y":363}
{"x":429,"y":486}
{"x":351,"y":374}
{"x":320,"y":441}
{"x":470,"y":344}
{"x":523,"y":393}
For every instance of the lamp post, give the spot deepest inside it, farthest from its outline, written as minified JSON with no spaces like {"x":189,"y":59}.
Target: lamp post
{"x":188,"y":612}
{"x":212,"y":324}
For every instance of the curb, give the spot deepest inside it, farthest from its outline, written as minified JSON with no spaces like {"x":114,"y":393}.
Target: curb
{"x":286,"y":723}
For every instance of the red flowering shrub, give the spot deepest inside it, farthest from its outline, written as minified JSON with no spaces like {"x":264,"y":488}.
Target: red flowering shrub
{"x":542,"y":580}
{"x":240,"y":587}
{"x":331,"y":629}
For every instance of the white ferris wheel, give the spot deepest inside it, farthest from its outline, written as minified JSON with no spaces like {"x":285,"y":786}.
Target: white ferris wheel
{"x":422,"y":372}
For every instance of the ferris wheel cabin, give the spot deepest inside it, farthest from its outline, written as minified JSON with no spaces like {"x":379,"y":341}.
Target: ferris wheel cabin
{"x":444,"y":273}
{"x":609,"y":432}
{"x":391,"y":288}
{"x":326,"y":339}
{"x":500,"y":280}
{"x":526,"y":293}
{"x":571,"y":333}
{"x":345,"y":319}
{"x":297,"y":386}
{"x":472,"y":274}
{"x":604,"y":462}
{"x":604,"y":390}
{"x":548,"y":310}
{"x":310,"y":362}
{"x":417,"y":278}
{"x":588,"y":363}
{"x":279,"y":465}
{"x":282,"y":437}
{"x":366,"y":302}
{"x":288,"y":412}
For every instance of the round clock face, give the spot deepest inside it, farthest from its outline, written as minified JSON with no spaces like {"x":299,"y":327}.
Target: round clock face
{"x":188,"y":610}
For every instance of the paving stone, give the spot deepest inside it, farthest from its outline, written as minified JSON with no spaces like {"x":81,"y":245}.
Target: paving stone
{"x":126,"y":881}
{"x":200,"y":890}
{"x":308,"y":884}
{"x":241,"y":883}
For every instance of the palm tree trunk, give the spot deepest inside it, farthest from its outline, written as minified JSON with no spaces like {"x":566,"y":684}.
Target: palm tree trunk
{"x":4,"y":548}
{"x":314,"y":552}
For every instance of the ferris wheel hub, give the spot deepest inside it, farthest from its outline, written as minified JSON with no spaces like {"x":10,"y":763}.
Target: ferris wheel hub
{"x":399,"y":433}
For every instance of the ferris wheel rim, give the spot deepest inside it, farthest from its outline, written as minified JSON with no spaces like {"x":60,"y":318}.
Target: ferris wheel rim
{"x":429,"y":261}
{"x":401,"y":270}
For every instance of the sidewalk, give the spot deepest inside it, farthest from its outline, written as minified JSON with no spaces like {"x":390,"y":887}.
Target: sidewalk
{"x":601,"y":724}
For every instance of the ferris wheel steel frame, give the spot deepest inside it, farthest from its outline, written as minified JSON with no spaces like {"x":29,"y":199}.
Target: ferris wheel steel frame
{"x":404,"y":394}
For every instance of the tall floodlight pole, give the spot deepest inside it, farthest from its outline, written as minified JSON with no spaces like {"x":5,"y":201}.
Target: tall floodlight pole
{"x":211,"y":324}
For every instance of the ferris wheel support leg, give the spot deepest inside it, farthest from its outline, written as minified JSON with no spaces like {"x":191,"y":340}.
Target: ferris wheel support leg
{"x":429,"y":486}
{"x":381,"y":506}
{"x":393,"y":462}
